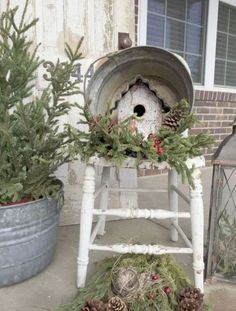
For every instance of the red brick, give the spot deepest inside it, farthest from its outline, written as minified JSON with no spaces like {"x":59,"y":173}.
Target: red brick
{"x":221,"y":130}
{"x":209,"y":117}
{"x":205,"y":104}
{"x":202,"y":94}
{"x":217,"y":110}
{"x":222,"y":104}
{"x":223,"y":136}
{"x":203,"y":110}
{"x":215,"y":124}
{"x":228,"y":110}
{"x":232,"y":104}
{"x":221,"y":117}
{"x":225,"y":123}
{"x":197,"y":94}
{"x":233,"y":97}
{"x":231,"y":117}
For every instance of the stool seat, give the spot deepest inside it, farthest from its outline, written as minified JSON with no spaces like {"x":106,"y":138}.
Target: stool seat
{"x":130,"y":162}
{"x":194,"y":200}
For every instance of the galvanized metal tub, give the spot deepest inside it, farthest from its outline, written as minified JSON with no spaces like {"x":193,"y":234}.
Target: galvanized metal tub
{"x":27,"y":238}
{"x":168,"y":75}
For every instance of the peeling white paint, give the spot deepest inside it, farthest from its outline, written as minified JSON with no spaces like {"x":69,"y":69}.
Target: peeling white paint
{"x":60,"y":21}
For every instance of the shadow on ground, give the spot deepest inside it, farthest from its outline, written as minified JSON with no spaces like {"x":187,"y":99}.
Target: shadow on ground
{"x":57,"y":284}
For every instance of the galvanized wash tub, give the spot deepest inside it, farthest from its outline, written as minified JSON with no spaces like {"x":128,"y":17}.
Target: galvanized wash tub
{"x":27,"y":238}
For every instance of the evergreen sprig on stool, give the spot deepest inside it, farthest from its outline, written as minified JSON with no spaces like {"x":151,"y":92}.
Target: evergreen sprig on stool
{"x":116,"y":142}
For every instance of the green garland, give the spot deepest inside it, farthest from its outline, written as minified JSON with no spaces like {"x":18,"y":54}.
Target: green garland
{"x":170,"y":275}
{"x":117,"y":141}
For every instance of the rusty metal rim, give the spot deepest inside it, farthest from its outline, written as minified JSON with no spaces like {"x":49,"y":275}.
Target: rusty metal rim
{"x":170,"y":59}
{"x":33,"y":201}
{"x":224,"y":162}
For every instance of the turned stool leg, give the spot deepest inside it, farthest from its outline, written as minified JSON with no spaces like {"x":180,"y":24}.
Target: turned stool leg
{"x":173,"y":202}
{"x":86,"y":224}
{"x":104,"y":199}
{"x":197,"y":219}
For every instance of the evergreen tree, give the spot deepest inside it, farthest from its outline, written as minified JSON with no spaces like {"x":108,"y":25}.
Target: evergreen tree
{"x":31,"y":145}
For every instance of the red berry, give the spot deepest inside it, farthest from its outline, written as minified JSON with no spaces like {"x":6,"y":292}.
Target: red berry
{"x":97,"y":118}
{"x":157,"y":145}
{"x":151,"y":296}
{"x":156,"y":277}
{"x":132,"y":126}
{"x":167,"y":290}
{"x":160,"y":150}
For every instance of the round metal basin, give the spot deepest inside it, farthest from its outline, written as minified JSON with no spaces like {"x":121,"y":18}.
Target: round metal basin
{"x":28,"y":234}
{"x":166,"y":73}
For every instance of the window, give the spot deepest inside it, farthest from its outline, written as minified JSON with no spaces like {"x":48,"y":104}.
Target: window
{"x":225,"y":63}
{"x":202,"y":31}
{"x":179,"y":26}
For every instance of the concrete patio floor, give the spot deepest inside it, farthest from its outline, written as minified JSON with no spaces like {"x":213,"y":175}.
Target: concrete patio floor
{"x":56,"y":285}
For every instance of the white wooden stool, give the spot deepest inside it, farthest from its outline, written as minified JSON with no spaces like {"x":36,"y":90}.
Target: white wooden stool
{"x":196,"y":214}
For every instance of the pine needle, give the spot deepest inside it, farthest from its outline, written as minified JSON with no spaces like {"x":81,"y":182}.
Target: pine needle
{"x":99,"y":285}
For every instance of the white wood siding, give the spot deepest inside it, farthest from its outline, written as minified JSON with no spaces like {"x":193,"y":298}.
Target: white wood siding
{"x":60,"y":21}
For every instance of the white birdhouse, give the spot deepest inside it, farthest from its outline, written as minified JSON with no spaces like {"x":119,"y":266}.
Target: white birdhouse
{"x":140,"y":100}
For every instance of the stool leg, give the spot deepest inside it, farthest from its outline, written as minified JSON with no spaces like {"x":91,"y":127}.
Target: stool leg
{"x":104,"y":199}
{"x":197,"y":219}
{"x":173,"y":202}
{"x":86,"y":224}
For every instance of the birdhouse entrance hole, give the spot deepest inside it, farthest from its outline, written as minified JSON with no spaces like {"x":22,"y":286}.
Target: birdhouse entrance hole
{"x":139,"y":110}
{"x":139,"y":99}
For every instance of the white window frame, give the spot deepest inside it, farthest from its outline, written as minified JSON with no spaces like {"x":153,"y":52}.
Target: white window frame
{"x":211,"y":36}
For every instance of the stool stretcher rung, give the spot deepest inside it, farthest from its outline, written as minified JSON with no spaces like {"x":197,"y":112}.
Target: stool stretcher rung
{"x":137,"y":190}
{"x":141,"y":249}
{"x":182,"y":234}
{"x":99,"y":190}
{"x":95,"y":230}
{"x":141,"y":213}
{"x":181,"y":194}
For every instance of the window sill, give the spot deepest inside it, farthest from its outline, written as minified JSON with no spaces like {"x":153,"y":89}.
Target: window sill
{"x":214,"y":89}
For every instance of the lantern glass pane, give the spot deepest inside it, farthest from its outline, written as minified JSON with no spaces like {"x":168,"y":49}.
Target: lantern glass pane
{"x":224,"y":249}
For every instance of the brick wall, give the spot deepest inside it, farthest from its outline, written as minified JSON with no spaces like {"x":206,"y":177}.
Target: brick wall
{"x":216,"y":112}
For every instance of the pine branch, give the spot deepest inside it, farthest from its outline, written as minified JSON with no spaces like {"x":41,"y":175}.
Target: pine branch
{"x":115,"y":141}
{"x":32,"y":146}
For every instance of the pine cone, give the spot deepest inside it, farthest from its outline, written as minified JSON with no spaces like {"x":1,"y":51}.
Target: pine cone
{"x":190,"y":299}
{"x":172,"y":120}
{"x":94,"y":305}
{"x":176,"y":114}
{"x":116,"y":304}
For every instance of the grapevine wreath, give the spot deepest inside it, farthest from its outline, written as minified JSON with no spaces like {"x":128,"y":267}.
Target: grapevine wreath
{"x":138,"y":283}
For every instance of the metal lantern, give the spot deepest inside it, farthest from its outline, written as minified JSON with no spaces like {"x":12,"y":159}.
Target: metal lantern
{"x":221,"y":261}
{"x":145,"y":81}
